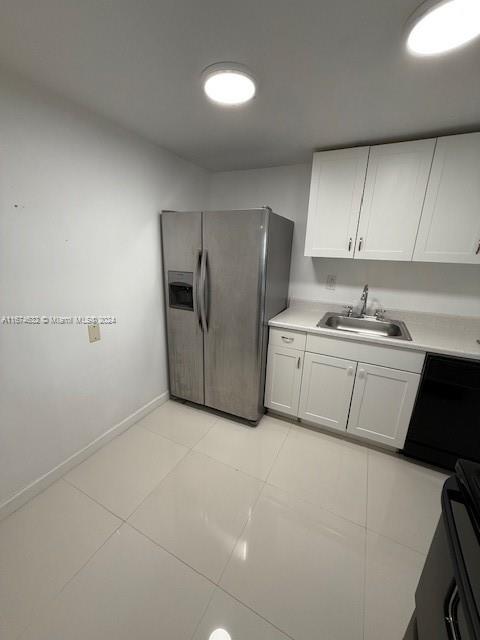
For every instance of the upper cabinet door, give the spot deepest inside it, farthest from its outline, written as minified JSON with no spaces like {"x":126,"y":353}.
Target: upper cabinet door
{"x":450,"y":226}
{"x":395,"y":189}
{"x":336,"y":192}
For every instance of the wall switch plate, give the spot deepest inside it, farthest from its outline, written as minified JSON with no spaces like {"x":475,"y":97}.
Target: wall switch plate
{"x":94,"y":332}
{"x":331,"y":282}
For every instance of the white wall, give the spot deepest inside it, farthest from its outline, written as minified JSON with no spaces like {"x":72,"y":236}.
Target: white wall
{"x":443,"y":288}
{"x":79,"y":234}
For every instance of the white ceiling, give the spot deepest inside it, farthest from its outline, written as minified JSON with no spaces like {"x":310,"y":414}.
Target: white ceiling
{"x":332,"y":73}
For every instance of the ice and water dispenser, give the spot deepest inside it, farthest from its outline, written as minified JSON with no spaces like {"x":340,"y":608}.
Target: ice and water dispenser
{"x":180,"y":290}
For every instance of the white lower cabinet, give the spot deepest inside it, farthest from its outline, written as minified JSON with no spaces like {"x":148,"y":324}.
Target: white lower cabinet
{"x":284,"y":377}
{"x":372,"y":401}
{"x":382,"y":404}
{"x":326,"y":390}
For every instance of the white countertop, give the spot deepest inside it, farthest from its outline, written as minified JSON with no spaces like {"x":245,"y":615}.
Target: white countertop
{"x":436,"y":333}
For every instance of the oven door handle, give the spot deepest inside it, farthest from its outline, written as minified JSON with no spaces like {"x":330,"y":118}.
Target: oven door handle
{"x":451,"y":607}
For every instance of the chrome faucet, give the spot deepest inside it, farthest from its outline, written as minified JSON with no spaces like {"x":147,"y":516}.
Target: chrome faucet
{"x":364,"y":299}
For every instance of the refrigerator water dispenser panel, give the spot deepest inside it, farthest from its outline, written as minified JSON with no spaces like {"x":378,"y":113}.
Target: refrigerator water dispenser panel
{"x":180,"y":290}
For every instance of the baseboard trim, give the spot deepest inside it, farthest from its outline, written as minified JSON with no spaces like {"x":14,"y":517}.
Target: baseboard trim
{"x":37,"y":486}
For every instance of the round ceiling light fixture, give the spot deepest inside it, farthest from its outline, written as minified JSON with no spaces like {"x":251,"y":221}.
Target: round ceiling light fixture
{"x":228,"y":83}
{"x":220,"y":634}
{"x":440,"y":26}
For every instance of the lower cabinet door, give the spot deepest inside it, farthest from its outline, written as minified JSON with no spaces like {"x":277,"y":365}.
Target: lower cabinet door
{"x":326,"y":390}
{"x":284,"y":377}
{"x":382,"y":404}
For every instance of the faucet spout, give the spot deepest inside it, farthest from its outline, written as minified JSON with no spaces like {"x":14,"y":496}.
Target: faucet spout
{"x":364,"y":299}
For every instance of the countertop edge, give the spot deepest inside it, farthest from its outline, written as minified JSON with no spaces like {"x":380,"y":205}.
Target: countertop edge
{"x":396,"y":344}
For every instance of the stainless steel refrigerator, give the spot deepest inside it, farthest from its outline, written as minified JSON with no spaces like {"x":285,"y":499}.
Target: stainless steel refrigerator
{"x":226,"y":274}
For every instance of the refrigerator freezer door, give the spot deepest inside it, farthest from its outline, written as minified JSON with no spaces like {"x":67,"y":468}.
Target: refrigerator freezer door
{"x":182,"y":245}
{"x":234,"y":246}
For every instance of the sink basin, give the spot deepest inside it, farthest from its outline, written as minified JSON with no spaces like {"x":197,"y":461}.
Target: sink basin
{"x":368,"y":326}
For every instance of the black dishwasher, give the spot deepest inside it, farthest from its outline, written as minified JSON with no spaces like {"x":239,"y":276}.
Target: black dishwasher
{"x":445,"y":423}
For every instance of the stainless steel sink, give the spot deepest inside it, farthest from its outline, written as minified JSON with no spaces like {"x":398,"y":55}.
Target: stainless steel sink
{"x":367,"y":325}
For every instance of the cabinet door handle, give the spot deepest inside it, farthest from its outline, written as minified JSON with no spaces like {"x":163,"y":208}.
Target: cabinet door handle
{"x":350,"y":244}
{"x":360,"y":244}
{"x":478,"y":249}
{"x":299,"y":362}
{"x":287,"y":339}
{"x":350,"y":371}
{"x":361,"y":373}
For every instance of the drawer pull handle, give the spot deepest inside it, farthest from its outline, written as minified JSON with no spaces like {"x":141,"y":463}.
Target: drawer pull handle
{"x":350,"y":371}
{"x":361,"y":373}
{"x":360,"y":244}
{"x":478,"y":249}
{"x":350,"y":244}
{"x":298,"y":362}
{"x":287,"y":339}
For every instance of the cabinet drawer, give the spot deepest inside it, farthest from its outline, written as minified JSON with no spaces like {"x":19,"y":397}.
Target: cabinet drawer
{"x":288,"y":338}
{"x":403,"y":359}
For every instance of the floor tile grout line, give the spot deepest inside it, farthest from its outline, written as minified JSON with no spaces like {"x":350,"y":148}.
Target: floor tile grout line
{"x":216,"y":585}
{"x":365,"y":563}
{"x":44,"y":608}
{"x":367,"y":490}
{"x":202,"y":575}
{"x":87,"y":495}
{"x":176,"y":441}
{"x":170,"y":553}
{"x":289,"y":430}
{"x":364,"y":594}
{"x":237,"y":599}
{"x":138,"y":506}
{"x":316,"y":505}
{"x":204,"y":613}
{"x":310,"y":500}
{"x":400,"y":544}
{"x":190,"y":451}
{"x":137,"y":424}
{"x":242,"y":531}
{"x":170,"y":471}
{"x":227,"y":464}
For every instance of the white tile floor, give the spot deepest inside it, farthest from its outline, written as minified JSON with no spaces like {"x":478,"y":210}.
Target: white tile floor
{"x":189,"y":524}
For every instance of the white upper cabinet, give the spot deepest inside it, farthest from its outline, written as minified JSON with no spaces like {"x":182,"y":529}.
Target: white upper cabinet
{"x":450,"y":225}
{"x":335,"y":197}
{"x":393,"y":197}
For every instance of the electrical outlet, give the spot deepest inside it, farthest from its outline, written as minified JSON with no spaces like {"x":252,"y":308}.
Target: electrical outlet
{"x":94,"y":332}
{"x":331,"y":282}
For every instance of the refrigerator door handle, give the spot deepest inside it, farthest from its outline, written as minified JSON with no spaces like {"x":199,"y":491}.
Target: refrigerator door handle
{"x":203,"y":291}
{"x":198,"y":260}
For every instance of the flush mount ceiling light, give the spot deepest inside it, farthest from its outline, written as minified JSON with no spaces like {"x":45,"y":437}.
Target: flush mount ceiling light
{"x":220,"y":634}
{"x":437,"y":27}
{"x":228,"y":83}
